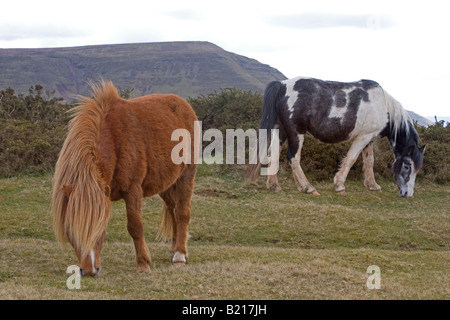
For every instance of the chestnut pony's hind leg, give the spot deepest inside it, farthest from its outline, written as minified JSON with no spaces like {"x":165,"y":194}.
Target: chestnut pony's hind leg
{"x":177,"y":207}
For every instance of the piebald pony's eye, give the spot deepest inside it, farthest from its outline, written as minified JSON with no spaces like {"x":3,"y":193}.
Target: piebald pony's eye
{"x":407,"y":165}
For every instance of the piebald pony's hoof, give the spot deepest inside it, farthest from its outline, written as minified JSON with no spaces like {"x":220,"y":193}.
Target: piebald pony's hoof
{"x":374,"y":188}
{"x":342,"y":192}
{"x":314,"y":193}
{"x":274,"y":188}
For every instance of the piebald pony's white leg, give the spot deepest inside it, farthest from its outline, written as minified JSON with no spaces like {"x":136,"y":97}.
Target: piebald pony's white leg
{"x":272,"y":183}
{"x":357,"y":146}
{"x":302,"y":182}
{"x":368,"y":160}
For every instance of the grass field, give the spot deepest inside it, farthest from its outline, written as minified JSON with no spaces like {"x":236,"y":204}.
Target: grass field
{"x":246,"y":243}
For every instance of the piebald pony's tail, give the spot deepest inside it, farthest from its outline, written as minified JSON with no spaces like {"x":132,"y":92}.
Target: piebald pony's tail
{"x":268,"y":120}
{"x":81,"y":205}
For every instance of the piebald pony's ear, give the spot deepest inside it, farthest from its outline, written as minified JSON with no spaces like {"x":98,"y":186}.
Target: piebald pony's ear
{"x":410,"y":151}
{"x":67,"y":190}
{"x":422,"y":149}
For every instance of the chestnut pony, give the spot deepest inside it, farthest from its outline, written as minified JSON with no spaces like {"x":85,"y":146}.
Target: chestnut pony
{"x":121,"y":149}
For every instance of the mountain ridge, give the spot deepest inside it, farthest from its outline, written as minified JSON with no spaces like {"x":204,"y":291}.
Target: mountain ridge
{"x":184,"y":68}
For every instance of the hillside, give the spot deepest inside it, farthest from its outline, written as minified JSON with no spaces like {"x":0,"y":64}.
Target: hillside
{"x":184,"y":68}
{"x":421,"y":121}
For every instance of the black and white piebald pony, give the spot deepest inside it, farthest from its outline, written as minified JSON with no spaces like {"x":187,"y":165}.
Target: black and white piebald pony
{"x":334,"y":112}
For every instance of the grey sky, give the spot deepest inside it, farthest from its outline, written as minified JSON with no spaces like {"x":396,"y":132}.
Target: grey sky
{"x":401,"y":44}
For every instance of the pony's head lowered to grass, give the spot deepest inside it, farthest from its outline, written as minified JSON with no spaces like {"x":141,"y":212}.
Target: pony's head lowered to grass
{"x":81,"y":205}
{"x":408,"y":159}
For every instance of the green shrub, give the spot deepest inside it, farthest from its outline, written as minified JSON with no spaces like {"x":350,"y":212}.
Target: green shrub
{"x":232,"y":108}
{"x":229,"y":109}
{"x":33,"y":128}
{"x":436,"y":162}
{"x":37,"y":106}
{"x":27,"y":147}
{"x":32,"y":131}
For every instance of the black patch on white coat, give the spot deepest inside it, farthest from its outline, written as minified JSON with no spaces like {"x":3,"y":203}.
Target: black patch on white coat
{"x":340,"y":99}
{"x":315,"y":99}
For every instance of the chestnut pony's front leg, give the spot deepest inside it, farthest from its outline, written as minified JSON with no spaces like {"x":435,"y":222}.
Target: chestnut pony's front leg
{"x":135,"y":226}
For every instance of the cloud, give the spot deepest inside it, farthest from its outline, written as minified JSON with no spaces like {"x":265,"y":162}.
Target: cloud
{"x":16,"y":31}
{"x":184,"y":14}
{"x":331,"y":20}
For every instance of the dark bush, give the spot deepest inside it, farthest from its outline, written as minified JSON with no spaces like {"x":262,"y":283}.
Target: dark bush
{"x":229,"y":109}
{"x":232,"y":108}
{"x":436,"y":162}
{"x":32,"y":131}
{"x":33,"y":128}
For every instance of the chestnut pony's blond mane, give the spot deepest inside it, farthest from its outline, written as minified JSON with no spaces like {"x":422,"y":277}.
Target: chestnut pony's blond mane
{"x":81,"y":207}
